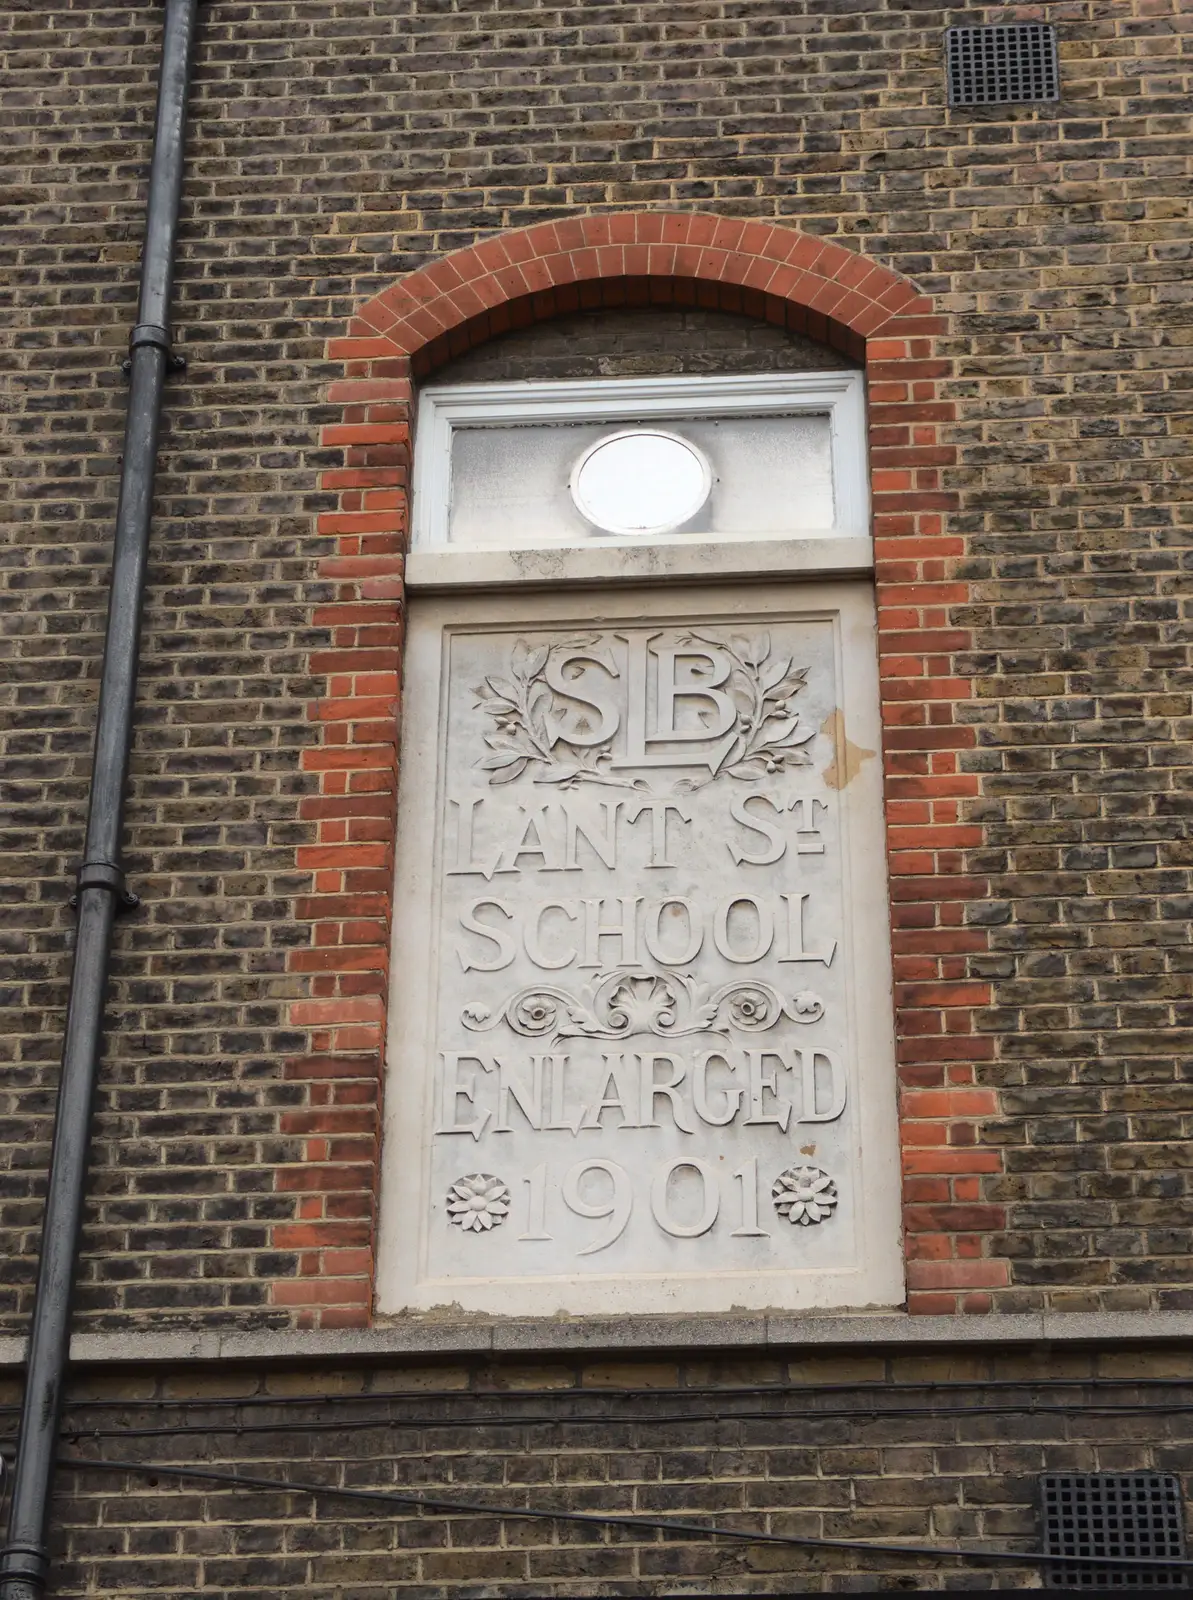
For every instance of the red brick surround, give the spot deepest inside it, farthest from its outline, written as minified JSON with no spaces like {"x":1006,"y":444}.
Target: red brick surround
{"x":429,"y":316}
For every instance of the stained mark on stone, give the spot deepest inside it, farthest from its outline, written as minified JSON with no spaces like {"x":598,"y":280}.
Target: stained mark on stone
{"x":841,"y":772}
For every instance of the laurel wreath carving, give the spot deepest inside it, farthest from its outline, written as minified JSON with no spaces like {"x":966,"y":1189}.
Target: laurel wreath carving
{"x":769,"y":735}
{"x":529,"y":727}
{"x":629,"y":1000}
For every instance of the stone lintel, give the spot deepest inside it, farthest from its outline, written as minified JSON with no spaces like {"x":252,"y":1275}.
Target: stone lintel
{"x":438,"y":1337}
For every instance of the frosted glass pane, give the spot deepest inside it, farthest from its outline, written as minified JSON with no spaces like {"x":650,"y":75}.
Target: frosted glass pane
{"x":510,"y":484}
{"x":775,"y":474}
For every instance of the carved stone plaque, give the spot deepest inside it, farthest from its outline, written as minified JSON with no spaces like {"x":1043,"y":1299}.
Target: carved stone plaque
{"x":640,"y":1022}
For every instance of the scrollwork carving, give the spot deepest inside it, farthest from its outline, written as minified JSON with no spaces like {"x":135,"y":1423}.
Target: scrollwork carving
{"x":627,"y":1001}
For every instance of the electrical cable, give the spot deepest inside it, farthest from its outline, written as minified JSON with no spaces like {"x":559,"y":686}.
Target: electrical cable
{"x":861,"y":1412}
{"x":422,"y":1502}
{"x":864,"y":1396}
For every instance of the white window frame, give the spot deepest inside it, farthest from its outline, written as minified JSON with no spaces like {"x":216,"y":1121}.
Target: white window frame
{"x":840,"y":395}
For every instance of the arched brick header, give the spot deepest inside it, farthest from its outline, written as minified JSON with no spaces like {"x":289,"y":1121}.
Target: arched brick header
{"x":439,"y":311}
{"x":809,"y":285}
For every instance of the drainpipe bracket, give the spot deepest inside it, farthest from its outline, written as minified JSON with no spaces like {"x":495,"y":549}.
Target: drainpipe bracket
{"x":149,"y":333}
{"x":105,"y":875}
{"x":24,"y":1563}
{"x":152,"y":333}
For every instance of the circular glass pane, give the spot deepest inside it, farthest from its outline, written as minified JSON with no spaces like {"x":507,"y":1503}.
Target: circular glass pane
{"x":640,"y":481}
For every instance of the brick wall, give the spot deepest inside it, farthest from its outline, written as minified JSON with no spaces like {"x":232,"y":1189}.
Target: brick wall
{"x":336,"y":148}
{"x":877,"y":1447}
{"x":636,"y":342}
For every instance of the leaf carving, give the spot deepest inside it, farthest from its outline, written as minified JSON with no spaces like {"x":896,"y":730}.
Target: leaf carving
{"x":562,"y":774}
{"x":508,"y":774}
{"x":775,"y":673}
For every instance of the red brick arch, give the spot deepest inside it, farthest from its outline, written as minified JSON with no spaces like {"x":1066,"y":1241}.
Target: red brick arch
{"x":642,"y":258}
{"x":435,"y":313}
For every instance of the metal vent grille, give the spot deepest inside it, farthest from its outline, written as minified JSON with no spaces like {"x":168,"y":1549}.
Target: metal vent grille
{"x":1002,"y":65}
{"x":1101,"y":1515}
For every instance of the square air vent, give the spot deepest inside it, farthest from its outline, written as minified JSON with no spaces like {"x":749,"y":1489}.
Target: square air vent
{"x":1104,"y":1515}
{"x":1002,"y":65}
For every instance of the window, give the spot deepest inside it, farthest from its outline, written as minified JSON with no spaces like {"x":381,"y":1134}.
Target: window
{"x":507,"y":467}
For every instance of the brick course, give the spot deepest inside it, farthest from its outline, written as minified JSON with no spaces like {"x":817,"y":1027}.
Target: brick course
{"x":1031,"y":454}
{"x":880,"y":1446}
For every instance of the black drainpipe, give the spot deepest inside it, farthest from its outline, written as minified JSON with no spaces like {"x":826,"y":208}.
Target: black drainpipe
{"x":102,"y":893}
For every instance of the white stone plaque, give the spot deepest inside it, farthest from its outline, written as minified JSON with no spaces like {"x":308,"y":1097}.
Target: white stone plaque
{"x":641,"y":1049}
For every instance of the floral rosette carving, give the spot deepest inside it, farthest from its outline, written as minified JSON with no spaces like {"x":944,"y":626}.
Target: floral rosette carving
{"x":478,"y":1202}
{"x":752,"y":1007}
{"x":534,"y":1013}
{"x":627,"y":1001}
{"x":804,"y":1195}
